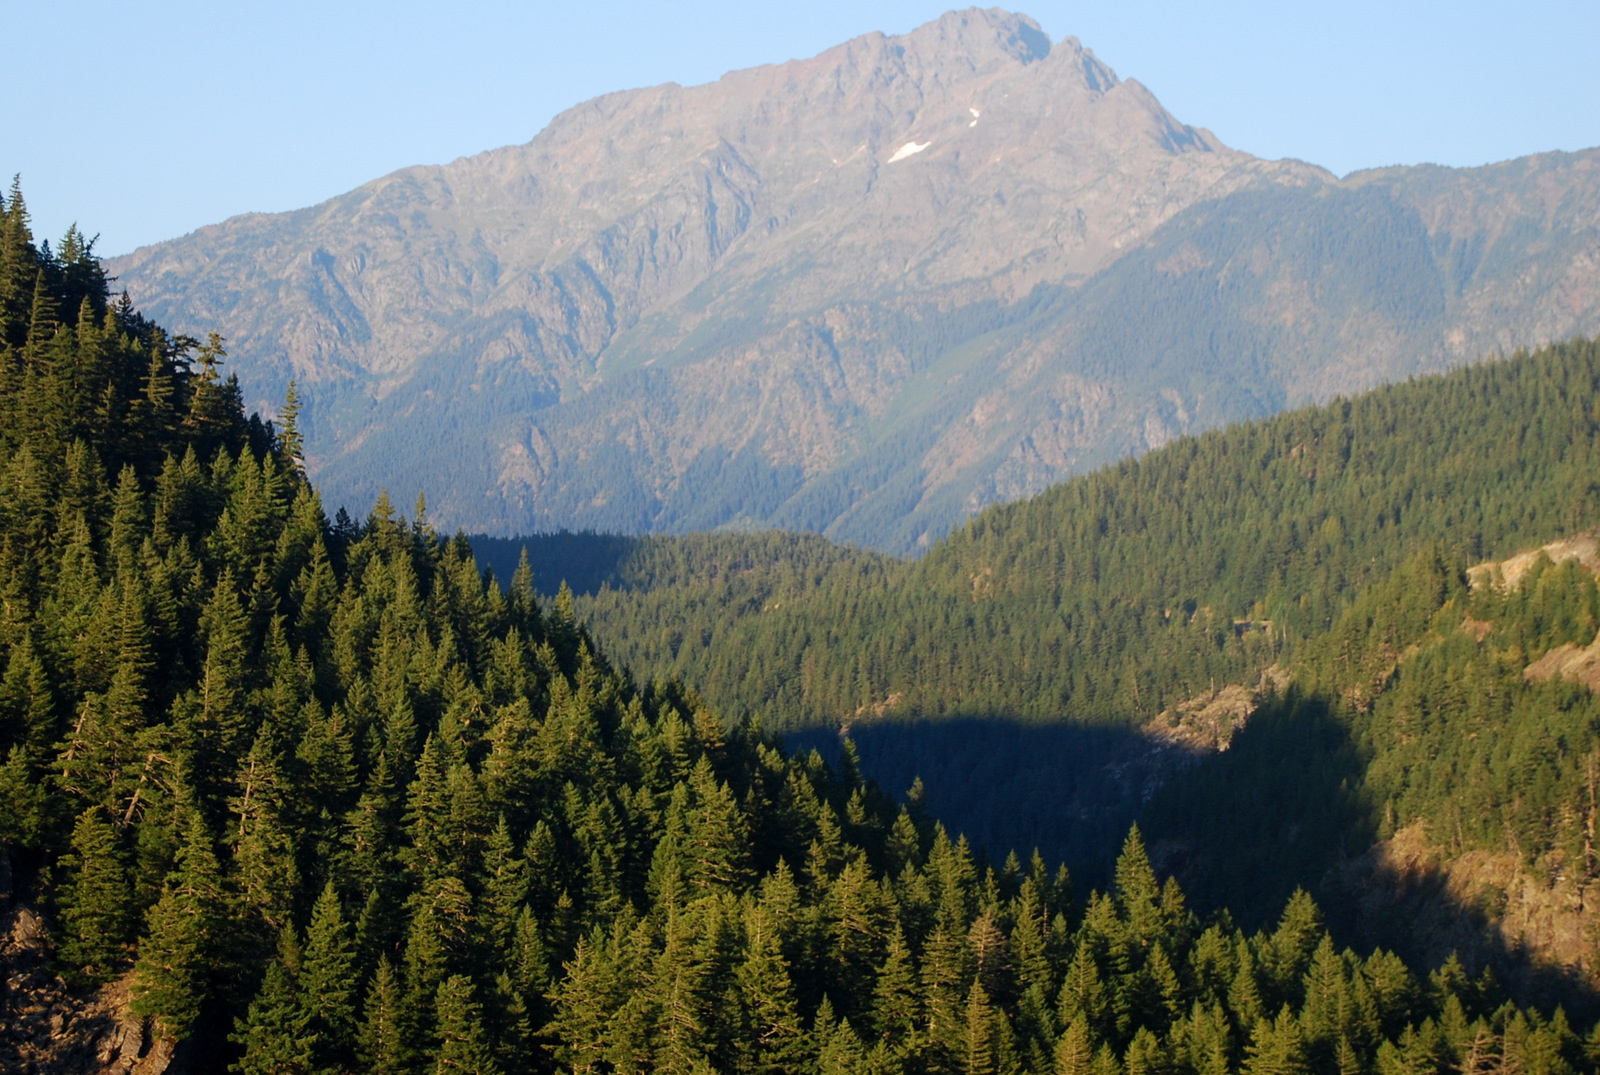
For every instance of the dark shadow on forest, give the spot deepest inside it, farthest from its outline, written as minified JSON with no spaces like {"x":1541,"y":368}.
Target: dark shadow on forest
{"x":583,"y":560}
{"x":1282,"y":809}
{"x":1285,"y":808}
{"x":1069,"y":790}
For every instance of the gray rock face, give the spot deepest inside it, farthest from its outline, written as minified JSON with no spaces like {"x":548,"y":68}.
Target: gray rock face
{"x":47,"y":1027}
{"x":865,"y":293}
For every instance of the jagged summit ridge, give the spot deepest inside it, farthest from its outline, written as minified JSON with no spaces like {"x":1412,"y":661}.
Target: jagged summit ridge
{"x":864,"y":292}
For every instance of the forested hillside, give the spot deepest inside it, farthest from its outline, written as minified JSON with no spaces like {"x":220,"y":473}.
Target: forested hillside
{"x":320,"y":798}
{"x":1115,"y":596}
{"x":1437,"y":712}
{"x":1036,"y":669}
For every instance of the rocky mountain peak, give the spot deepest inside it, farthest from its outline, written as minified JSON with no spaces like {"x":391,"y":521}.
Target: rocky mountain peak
{"x":979,"y":37}
{"x":865,"y":292}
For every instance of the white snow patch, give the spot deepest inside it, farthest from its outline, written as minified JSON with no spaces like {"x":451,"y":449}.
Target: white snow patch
{"x":910,"y":149}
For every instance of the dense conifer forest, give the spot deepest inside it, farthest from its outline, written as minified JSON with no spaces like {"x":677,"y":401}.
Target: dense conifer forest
{"x":326,"y":798}
{"x":1113,"y":596}
{"x":1020,"y":666}
{"x":1424,"y":706}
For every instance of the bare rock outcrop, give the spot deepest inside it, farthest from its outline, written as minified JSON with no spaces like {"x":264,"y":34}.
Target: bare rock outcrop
{"x":48,"y":1027}
{"x":1207,"y":722}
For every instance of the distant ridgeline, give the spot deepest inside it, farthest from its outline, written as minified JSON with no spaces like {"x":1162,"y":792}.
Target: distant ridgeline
{"x":323,"y":800}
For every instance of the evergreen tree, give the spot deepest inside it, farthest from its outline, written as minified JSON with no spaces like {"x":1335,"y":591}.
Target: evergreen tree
{"x":383,"y":1046}
{"x":1074,"y":1054}
{"x":1138,"y":892}
{"x":1145,"y":1055}
{"x":776,"y":1032}
{"x":96,"y":909}
{"x":179,"y":952}
{"x":584,"y":1001}
{"x":896,"y":1009}
{"x":328,"y":982}
{"x":1276,"y":1047}
{"x":266,"y":865}
{"x":463,"y":1046}
{"x":23,"y":800}
{"x":978,"y":1045}
{"x":273,"y":1032}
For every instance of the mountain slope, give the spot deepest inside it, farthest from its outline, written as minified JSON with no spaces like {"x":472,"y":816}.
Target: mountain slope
{"x":1431,"y":773}
{"x":864,"y":293}
{"x":1116,"y":595}
{"x":1264,"y":644}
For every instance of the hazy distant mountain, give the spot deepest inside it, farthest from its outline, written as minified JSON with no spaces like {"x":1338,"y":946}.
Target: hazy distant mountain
{"x":864,"y":293}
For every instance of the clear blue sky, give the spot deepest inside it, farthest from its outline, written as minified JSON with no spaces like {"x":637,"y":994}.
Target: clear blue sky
{"x":144,"y":120}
